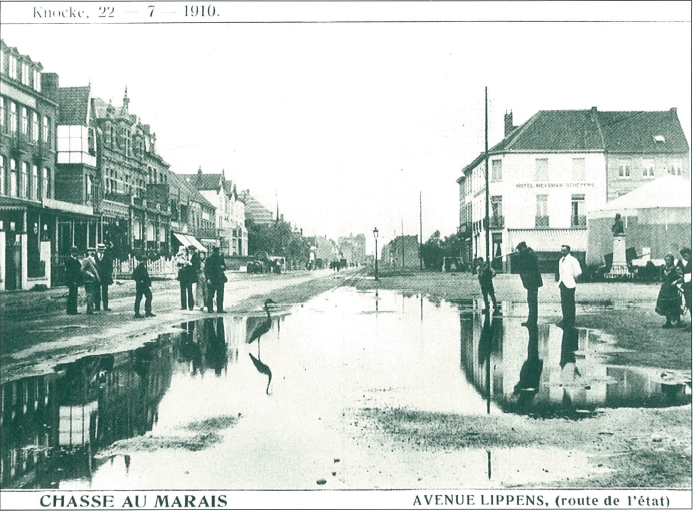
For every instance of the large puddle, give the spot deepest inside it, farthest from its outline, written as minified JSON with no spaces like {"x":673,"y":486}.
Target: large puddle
{"x":196,"y":408}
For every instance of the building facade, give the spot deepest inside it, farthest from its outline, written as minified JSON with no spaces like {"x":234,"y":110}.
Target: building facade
{"x":29,"y":215}
{"x":545,"y":175}
{"x":353,"y":248}
{"x":230,"y":210}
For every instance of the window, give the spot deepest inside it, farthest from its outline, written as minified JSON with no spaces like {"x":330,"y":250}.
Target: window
{"x":34,"y":182}
{"x":89,"y":188}
{"x":25,"y":121}
{"x":542,"y":173}
{"x":25,"y":73}
{"x":92,"y":142}
{"x":44,"y":133}
{"x":46,"y":188}
{"x":496,"y":170}
{"x":578,"y":169}
{"x":24,"y":183}
{"x":13,"y":117}
{"x":675,"y":168}
{"x":624,"y":169}
{"x":647,"y":168}
{"x":13,"y":178}
{"x":577,"y":217}
{"x":496,"y":212}
{"x":542,"y":219}
{"x":2,"y":113}
{"x":2,"y":175}
{"x":37,"y":80}
{"x":34,"y":127}
{"x":12,"y":60}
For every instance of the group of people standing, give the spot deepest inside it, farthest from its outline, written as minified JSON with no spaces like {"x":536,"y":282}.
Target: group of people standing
{"x":527,"y":264}
{"x":95,"y":272}
{"x":206,"y":273}
{"x":675,"y":278}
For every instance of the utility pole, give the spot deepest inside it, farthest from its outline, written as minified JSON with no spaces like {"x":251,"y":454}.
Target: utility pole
{"x":402,"y":221}
{"x":420,"y":234}
{"x":488,"y":249}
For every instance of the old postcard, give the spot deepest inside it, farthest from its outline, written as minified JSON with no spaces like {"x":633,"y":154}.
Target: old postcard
{"x":345,"y":255}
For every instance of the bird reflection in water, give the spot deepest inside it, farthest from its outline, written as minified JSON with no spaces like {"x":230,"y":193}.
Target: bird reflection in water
{"x":256,"y":335}
{"x":530,"y":373}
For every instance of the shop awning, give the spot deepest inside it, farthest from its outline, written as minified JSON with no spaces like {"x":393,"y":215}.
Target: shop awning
{"x":187,"y":239}
{"x":549,"y":240}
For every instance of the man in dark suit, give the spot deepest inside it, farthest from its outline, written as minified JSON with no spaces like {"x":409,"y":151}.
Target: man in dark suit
{"x":73,"y":279}
{"x":528,"y":266}
{"x":104,"y":263}
{"x":143,"y":287}
{"x":214,"y":272}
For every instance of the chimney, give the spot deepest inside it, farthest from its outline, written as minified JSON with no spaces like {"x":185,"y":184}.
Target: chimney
{"x":49,"y":86}
{"x":593,"y":113}
{"x":674,"y":113}
{"x":508,"y":118}
{"x":199,"y":170}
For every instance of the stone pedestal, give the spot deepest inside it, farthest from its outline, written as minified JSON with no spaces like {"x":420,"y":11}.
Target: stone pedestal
{"x":619,"y":265}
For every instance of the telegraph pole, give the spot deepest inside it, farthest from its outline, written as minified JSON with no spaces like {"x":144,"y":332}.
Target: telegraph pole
{"x":420,"y":234}
{"x":488,"y":244}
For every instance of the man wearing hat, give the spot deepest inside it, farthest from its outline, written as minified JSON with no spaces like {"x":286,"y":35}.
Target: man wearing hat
{"x":214,"y":271}
{"x":143,"y":287}
{"x":104,"y":263}
{"x":73,"y":278}
{"x":528,"y":265}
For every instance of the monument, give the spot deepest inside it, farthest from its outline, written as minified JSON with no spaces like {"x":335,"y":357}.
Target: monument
{"x":619,"y":264}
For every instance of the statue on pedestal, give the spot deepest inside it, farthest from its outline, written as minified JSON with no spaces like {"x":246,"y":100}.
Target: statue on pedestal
{"x":617,"y":228}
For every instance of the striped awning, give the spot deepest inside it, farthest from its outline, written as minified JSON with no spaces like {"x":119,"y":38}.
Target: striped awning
{"x":187,"y":239}
{"x":549,"y":240}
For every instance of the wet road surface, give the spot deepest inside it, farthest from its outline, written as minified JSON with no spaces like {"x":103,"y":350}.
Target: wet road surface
{"x":193,"y":409}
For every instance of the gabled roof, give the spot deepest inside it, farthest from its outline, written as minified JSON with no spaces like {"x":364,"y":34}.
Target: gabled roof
{"x":74,"y":106}
{"x":556,"y":130}
{"x":592,"y":130}
{"x":636,"y":131}
{"x":203,"y":181}
{"x":188,"y":190}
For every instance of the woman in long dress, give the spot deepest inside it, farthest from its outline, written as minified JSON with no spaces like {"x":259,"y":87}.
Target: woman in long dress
{"x":669,"y":299}
{"x":201,"y":285}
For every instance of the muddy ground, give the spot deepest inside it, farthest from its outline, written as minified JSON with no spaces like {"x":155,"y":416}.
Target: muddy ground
{"x":631,"y":447}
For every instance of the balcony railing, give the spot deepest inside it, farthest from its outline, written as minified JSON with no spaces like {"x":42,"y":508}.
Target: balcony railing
{"x":497,"y":222}
{"x":578,"y":221}
{"x":541,"y":221}
{"x":20,"y":144}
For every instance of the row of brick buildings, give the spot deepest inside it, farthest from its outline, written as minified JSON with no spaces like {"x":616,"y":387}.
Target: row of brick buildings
{"x":76,"y":170}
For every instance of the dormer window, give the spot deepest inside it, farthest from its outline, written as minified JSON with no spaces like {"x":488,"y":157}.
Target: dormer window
{"x":659,"y":139}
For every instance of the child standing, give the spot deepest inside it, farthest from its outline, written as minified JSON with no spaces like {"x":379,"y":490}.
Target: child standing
{"x":143,"y":287}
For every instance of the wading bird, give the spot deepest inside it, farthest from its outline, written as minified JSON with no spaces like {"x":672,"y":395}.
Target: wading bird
{"x":263,"y":327}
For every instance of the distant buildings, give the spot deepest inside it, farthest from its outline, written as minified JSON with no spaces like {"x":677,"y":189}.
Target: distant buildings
{"x":401,"y":252}
{"x":545,"y":175}
{"x":353,"y":248}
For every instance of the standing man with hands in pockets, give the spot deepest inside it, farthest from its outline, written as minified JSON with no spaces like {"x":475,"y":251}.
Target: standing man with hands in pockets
{"x":568,"y":270}
{"x":528,"y":266}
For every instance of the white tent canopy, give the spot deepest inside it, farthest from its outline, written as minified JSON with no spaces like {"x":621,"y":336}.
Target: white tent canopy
{"x":664,"y":192}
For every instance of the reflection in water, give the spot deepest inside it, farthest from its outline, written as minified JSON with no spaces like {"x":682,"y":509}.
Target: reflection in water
{"x":53,"y":426}
{"x":530,"y":373}
{"x":262,"y":368}
{"x":544,"y":370}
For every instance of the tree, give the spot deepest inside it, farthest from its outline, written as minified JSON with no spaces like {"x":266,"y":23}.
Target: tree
{"x":277,"y":239}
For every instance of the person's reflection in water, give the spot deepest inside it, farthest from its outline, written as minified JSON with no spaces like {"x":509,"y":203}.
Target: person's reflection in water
{"x":216,"y":347}
{"x":189,"y":349}
{"x":569,"y":371}
{"x":530,"y":373}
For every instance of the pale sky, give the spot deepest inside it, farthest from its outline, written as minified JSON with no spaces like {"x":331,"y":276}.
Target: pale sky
{"x":347,"y":122}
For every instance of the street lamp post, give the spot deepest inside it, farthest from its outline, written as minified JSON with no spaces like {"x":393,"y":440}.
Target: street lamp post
{"x":375,"y":236}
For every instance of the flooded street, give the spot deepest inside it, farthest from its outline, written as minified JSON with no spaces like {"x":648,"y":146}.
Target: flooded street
{"x":322,"y":401}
